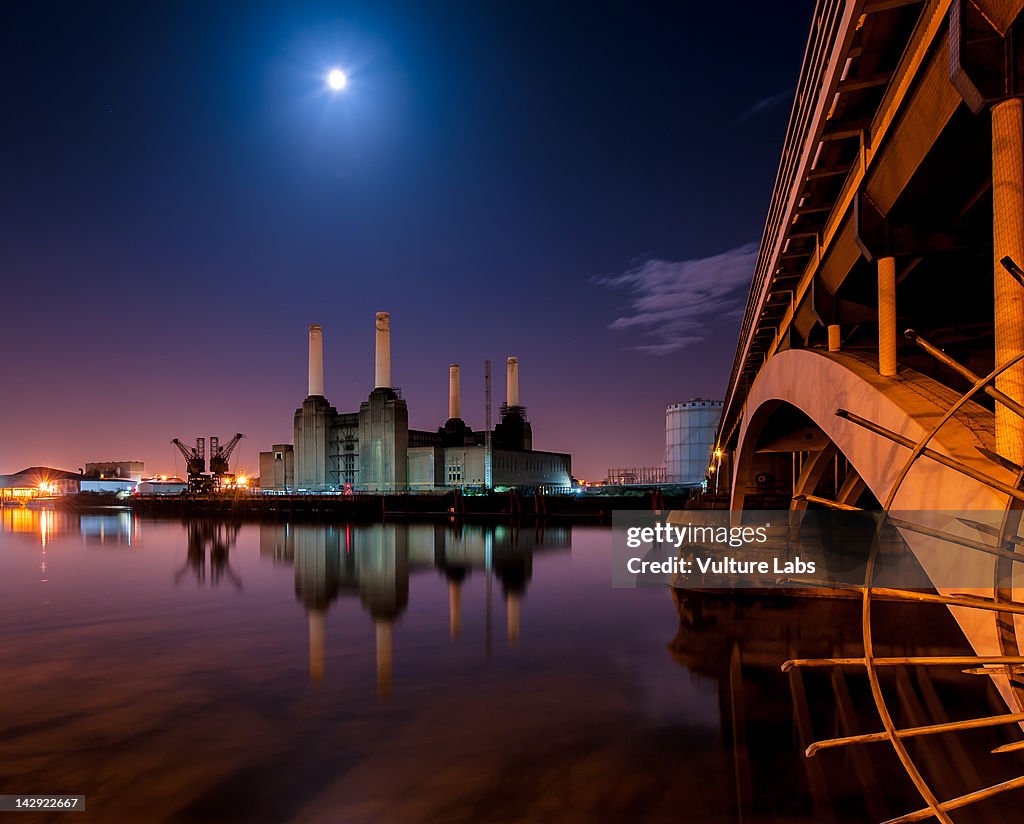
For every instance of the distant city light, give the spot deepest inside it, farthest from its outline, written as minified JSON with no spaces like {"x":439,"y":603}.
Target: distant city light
{"x":337,"y":80}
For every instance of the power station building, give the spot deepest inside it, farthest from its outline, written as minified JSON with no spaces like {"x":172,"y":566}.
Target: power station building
{"x":277,"y":467}
{"x":374,"y":450}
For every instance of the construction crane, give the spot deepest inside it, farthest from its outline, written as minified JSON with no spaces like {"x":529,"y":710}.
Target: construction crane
{"x":199,"y":480}
{"x":195,"y":463}
{"x":221,"y":455}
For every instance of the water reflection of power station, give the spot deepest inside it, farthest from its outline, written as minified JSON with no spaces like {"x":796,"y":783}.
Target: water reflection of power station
{"x":374,"y":563}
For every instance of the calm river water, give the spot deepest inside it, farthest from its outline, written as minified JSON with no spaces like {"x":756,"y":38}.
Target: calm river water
{"x":205,"y":671}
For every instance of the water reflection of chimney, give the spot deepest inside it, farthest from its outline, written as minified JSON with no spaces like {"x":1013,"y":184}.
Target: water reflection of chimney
{"x":316,"y":554}
{"x":513,"y":564}
{"x":512,"y":604}
{"x":316,"y":646}
{"x":455,"y":608}
{"x":382,"y":550}
{"x":384,"y":657}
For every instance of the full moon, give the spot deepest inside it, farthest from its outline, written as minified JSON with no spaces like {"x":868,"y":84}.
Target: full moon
{"x":336,"y":79}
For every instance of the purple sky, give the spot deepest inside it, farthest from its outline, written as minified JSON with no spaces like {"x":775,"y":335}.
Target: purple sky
{"x":583,"y":189}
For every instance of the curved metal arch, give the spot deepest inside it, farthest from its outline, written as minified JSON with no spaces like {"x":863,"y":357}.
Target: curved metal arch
{"x":818,"y":384}
{"x":785,"y":388}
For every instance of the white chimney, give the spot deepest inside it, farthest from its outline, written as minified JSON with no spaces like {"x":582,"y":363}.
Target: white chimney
{"x":383,"y":362}
{"x":454,"y":392}
{"x":512,"y":383}
{"x":316,"y":360}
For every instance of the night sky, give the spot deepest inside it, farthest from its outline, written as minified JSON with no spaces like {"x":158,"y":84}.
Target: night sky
{"x":580,"y":185}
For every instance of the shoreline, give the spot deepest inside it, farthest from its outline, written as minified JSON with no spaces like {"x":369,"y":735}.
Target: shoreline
{"x":361,"y":507}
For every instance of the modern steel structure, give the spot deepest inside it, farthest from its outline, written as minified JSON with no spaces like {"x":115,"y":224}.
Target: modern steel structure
{"x":636,"y":476}
{"x":880,"y":362}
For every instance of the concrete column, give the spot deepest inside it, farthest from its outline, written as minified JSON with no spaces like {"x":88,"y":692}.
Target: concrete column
{"x":887,"y":316}
{"x":384,"y":658}
{"x":382,"y":372}
{"x":316,"y":646}
{"x":833,"y":337}
{"x":512,"y":382}
{"x":316,"y":360}
{"x":454,"y":392}
{"x":1008,"y":239}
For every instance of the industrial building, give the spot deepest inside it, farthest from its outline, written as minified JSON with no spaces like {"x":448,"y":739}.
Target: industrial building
{"x":163,"y":486}
{"x":38,"y":482}
{"x":374,"y":450}
{"x":48,"y":482}
{"x":689,"y":438}
{"x":277,"y":468}
{"x":132,"y":470}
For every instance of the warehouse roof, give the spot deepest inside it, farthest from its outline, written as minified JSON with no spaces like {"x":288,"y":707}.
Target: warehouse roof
{"x":31,"y":476}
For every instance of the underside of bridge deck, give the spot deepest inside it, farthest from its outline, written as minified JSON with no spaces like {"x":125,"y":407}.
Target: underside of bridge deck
{"x":899,"y":206}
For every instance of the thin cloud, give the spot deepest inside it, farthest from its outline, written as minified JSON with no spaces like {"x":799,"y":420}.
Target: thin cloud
{"x":764,"y":104}
{"x":677,"y":303}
